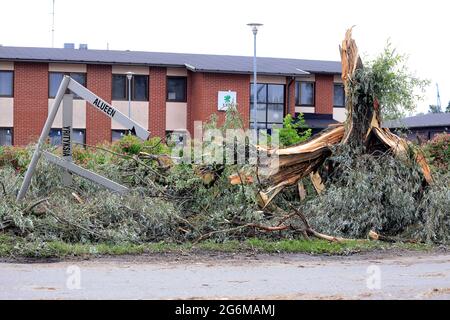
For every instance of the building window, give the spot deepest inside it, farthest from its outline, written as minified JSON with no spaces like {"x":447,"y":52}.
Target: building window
{"x":270,"y":106}
{"x":176,"y":89}
{"x":118,"y":134}
{"x":119,"y":87}
{"x":6,"y":83}
{"x":304,"y":93}
{"x":178,"y":138}
{"x":139,"y":87}
{"x":55,"y":137}
{"x":78,"y":136}
{"x":6,"y":137}
{"x":55,"y":79}
{"x":339,"y":96}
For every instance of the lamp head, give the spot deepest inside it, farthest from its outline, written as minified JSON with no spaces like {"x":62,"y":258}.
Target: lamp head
{"x":255,"y":26}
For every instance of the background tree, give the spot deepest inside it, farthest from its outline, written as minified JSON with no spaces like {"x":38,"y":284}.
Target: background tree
{"x":447,"y":110}
{"x":395,"y":86}
{"x":434,"y":109}
{"x":294,"y":131}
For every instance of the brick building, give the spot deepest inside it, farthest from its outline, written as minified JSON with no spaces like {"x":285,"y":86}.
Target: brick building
{"x":421,"y":127}
{"x":169,"y":91}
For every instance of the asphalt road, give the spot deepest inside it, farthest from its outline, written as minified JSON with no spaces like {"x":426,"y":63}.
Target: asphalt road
{"x":370,"y":276}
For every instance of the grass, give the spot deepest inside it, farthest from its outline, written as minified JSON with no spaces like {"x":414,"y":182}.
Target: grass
{"x":14,"y":247}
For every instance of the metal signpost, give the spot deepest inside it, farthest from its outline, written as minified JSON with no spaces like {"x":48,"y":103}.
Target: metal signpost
{"x":66,"y":161}
{"x":66,"y":138}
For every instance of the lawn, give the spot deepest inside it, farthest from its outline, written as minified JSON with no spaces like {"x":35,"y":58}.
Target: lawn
{"x":13,"y":247}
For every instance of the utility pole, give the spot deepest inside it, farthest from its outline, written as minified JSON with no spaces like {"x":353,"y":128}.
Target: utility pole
{"x":254,"y":27}
{"x":438,"y":101}
{"x":129,"y":77}
{"x":53,"y":25}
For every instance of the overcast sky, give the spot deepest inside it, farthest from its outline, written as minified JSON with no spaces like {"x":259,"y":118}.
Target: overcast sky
{"x":292,"y":28}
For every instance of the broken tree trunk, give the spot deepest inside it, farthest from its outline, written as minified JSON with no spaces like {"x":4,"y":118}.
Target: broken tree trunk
{"x":361,"y":130}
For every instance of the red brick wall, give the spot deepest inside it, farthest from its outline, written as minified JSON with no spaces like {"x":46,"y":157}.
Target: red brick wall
{"x":98,"y":125}
{"x":195,"y":83}
{"x":324,"y":94}
{"x":290,"y":92}
{"x":30,"y":101}
{"x":189,"y":99}
{"x":157,"y":104}
{"x":204,"y":89}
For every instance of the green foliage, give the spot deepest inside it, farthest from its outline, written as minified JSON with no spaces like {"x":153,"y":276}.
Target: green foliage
{"x":17,"y":157}
{"x":175,"y":205}
{"x":371,"y":194}
{"x":92,"y":159}
{"x":132,"y":145}
{"x":438,"y":152}
{"x":163,"y":205}
{"x":156,"y":146}
{"x":293,"y":131}
{"x":233,"y":119}
{"x":435,"y":208}
{"x":396,"y":88}
{"x":380,"y":193}
{"x":447,"y":110}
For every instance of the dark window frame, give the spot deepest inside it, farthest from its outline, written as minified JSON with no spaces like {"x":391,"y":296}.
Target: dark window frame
{"x":133,"y":88}
{"x":112,"y":87}
{"x":124,"y":131}
{"x":12,"y":84}
{"x":50,"y":136}
{"x":84,"y":131}
{"x":267,"y":103}
{"x":75,"y":96}
{"x":73,"y":129}
{"x":167,"y":89}
{"x":334,"y":102}
{"x":12,"y":135}
{"x":298,"y":94}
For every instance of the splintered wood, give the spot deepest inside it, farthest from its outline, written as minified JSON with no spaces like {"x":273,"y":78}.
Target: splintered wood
{"x":303,"y":160}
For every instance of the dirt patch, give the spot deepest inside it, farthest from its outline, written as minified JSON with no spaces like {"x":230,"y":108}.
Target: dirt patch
{"x":224,"y":258}
{"x":436,"y":292}
{"x":45,"y":288}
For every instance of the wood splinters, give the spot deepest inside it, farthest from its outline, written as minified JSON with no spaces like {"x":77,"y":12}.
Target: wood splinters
{"x":78,"y":198}
{"x":292,"y":164}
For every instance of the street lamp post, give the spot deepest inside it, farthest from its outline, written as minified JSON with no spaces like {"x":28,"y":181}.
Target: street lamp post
{"x":254,"y":27}
{"x":129,"y":77}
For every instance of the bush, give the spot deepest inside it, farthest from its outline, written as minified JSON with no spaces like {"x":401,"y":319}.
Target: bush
{"x":438,"y":152}
{"x":17,"y":157}
{"x":363,"y":192}
{"x":383,"y":194}
{"x":435,"y":208}
{"x":162,"y":205}
{"x":293,"y":131}
{"x":370,"y":194}
{"x":132,"y":145}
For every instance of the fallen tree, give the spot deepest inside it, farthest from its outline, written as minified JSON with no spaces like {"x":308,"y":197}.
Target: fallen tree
{"x":368,"y":179}
{"x":362,"y":131}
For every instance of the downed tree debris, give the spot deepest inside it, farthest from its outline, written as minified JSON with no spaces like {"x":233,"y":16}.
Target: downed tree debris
{"x":362,"y":131}
{"x":241,"y":178}
{"x":378,"y":237}
{"x":368,"y":178}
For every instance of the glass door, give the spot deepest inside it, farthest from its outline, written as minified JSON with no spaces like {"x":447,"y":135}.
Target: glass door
{"x":270,"y":106}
